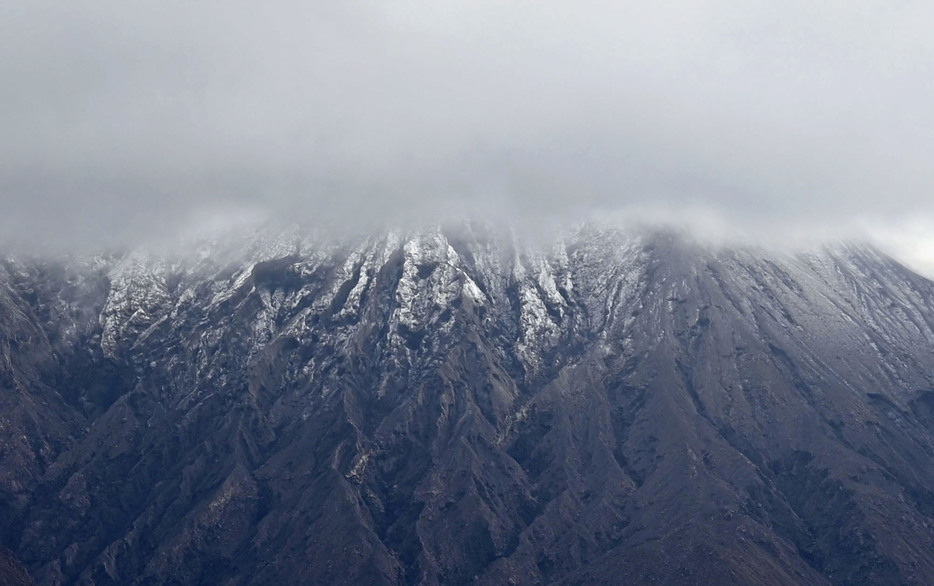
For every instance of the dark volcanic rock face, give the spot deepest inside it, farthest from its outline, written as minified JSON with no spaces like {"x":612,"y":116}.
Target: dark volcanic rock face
{"x":455,"y":406}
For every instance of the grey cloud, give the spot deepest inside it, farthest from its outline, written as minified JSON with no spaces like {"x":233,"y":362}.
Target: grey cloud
{"x":123,"y":119}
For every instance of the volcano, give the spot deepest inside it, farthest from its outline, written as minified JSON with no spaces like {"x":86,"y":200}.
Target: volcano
{"x":464,"y":405}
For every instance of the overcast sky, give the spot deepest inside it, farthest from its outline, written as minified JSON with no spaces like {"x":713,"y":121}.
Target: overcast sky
{"x":122,"y":119}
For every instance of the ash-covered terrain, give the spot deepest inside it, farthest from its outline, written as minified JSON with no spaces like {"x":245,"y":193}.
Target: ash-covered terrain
{"x":464,"y":406}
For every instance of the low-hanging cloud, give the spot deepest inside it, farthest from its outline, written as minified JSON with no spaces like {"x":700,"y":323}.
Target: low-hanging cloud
{"x":128,"y":118}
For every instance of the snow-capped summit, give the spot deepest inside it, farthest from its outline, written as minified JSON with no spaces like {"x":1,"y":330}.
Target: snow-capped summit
{"x":463,"y":404}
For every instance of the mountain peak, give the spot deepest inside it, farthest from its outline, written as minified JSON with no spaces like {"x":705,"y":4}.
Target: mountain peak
{"x":468,"y":403}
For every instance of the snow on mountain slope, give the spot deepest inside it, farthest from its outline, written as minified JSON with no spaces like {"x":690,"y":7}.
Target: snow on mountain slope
{"x":462,"y":404}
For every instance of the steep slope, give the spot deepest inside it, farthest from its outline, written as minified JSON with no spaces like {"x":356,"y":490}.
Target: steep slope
{"x":462,"y":406}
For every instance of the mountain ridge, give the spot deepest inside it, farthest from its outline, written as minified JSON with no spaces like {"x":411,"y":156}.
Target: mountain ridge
{"x":460,"y":405}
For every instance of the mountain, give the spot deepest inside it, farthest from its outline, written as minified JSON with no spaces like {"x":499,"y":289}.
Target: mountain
{"x":464,"y":405}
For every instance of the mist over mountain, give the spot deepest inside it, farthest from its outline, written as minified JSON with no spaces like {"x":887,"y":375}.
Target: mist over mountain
{"x":124,"y":121}
{"x":466,"y":292}
{"x":462,"y":404}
